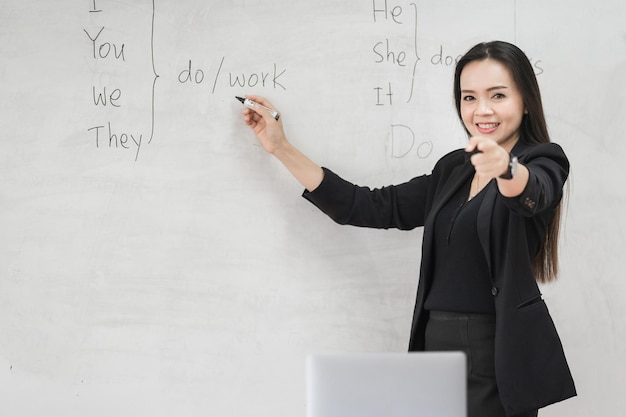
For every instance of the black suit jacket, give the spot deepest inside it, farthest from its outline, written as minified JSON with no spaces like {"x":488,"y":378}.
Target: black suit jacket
{"x":531,"y":369}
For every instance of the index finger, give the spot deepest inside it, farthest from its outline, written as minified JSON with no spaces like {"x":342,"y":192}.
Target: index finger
{"x":261,"y":100}
{"x":472,"y":145}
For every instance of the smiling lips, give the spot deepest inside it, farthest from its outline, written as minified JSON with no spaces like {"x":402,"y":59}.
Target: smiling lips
{"x":486,"y":128}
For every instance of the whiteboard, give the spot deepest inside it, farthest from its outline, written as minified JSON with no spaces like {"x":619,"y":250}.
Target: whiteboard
{"x":154,"y":260}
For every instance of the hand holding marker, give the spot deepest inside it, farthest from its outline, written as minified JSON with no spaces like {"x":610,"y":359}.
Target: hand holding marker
{"x":251,"y":104}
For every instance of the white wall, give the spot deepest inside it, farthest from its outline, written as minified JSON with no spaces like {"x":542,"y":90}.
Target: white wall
{"x":184,"y":275}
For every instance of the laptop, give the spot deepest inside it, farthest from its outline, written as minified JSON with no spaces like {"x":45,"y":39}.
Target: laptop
{"x":415,"y":384}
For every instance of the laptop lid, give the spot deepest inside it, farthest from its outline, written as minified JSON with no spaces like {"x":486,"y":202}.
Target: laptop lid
{"x":428,"y":384}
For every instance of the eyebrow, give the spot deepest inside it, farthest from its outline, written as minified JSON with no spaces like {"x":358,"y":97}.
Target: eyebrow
{"x":497,"y":87}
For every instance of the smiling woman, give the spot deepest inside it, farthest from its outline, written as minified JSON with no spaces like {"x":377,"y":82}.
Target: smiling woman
{"x":507,"y":61}
{"x":481,"y":256}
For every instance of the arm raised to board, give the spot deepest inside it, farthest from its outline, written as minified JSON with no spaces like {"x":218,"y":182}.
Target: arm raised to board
{"x":261,"y":117}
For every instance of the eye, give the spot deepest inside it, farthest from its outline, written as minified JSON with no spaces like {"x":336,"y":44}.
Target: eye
{"x":468,"y":98}
{"x":498,"y":96}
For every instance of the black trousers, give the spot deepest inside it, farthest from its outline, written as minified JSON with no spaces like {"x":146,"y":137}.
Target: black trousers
{"x":473,"y":334}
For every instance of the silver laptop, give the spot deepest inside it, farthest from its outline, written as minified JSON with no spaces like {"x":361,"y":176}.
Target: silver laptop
{"x":417,"y":384}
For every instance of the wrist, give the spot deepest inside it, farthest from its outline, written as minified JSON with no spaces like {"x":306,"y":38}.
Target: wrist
{"x":511,"y":168}
{"x":282,"y":148}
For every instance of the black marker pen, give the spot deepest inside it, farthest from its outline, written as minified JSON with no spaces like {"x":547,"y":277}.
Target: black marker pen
{"x":250,"y":104}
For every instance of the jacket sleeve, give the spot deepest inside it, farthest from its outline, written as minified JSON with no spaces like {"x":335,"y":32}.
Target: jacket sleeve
{"x":548,"y":169}
{"x":400,"y":206}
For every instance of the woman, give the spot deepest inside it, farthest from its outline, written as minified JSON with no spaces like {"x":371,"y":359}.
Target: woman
{"x":491,"y":219}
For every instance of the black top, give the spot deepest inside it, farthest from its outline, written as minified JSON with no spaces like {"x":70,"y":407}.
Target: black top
{"x":461,"y":277}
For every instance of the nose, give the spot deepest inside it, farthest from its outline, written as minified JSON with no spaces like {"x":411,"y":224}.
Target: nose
{"x":484,"y":108}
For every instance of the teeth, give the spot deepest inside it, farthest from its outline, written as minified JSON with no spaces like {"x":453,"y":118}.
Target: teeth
{"x":487,"y":125}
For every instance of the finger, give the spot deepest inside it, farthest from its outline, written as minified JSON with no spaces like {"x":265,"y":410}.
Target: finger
{"x":249,"y":113}
{"x":487,"y":145}
{"x":252,"y":119}
{"x":476,"y":159}
{"x":474,"y":145}
{"x":264,"y":108}
{"x":261,"y":100}
{"x":471,"y":145}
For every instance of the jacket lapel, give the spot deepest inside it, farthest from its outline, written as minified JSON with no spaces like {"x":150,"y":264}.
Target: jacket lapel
{"x":483,"y":222}
{"x":486,"y":211}
{"x":457,"y":178}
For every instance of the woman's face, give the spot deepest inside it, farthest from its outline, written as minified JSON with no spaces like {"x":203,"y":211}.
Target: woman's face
{"x":491,"y":104}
